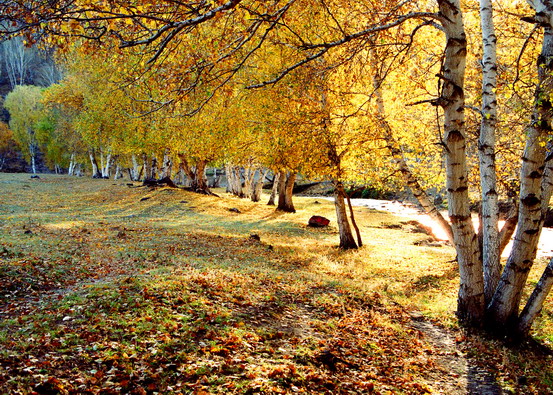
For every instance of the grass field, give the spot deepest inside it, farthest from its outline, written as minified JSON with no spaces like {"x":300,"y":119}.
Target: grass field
{"x":107,"y":288}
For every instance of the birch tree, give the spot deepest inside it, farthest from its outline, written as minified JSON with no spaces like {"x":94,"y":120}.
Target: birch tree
{"x":24,"y":105}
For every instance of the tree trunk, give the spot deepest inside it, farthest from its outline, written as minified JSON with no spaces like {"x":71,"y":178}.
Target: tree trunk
{"x":108,"y":164}
{"x":154,"y":171}
{"x":32,"y":153}
{"x":535,"y":302}
{"x":118,"y":173}
{"x":234,"y":180}
{"x":506,"y":300}
{"x":285,"y":192}
{"x":216,"y":179}
{"x":393,"y":148}
{"x":274,"y":190}
{"x":146,"y":168}
{"x":258,"y":185}
{"x":72,"y":165}
{"x":185,"y":167}
{"x":249,"y":175}
{"x":33,"y":164}
{"x":167,"y":168}
{"x":199,"y":184}
{"x":135,"y":172}
{"x":486,"y":152}
{"x":354,"y":223}
{"x":347,"y":240}
{"x":95,"y":169}
{"x":470,"y":305}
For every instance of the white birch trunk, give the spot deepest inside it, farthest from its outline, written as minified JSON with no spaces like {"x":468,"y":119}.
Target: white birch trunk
{"x":106,"y":166}
{"x":486,"y":153}
{"x":470,"y":306}
{"x":506,"y":300}
{"x":72,"y":164}
{"x":258,"y":185}
{"x":94,"y":163}
{"x":135,"y":168}
{"x":33,"y":163}
{"x":118,"y":173}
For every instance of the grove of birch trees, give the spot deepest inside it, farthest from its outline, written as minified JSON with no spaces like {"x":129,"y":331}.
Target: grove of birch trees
{"x":441,"y":94}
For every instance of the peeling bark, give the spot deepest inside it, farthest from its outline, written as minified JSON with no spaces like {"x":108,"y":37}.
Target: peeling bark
{"x":486,"y":154}
{"x":470,"y":305}
{"x":505,"y":304}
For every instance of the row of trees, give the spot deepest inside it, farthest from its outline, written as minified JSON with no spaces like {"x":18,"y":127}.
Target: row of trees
{"x":196,"y":81}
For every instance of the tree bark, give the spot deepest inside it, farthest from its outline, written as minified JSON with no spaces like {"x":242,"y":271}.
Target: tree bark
{"x":285,"y":192}
{"x":234,"y":180}
{"x":470,"y":305}
{"x":535,"y":302}
{"x":118,"y":173}
{"x":274,"y":190}
{"x":354,"y":223}
{"x":506,"y":300}
{"x":154,"y":168}
{"x":486,"y":153}
{"x":167,"y":168}
{"x":95,"y":169}
{"x":249,"y":175}
{"x":258,"y":185}
{"x":199,"y":184}
{"x":72,"y":165}
{"x":347,"y":240}
{"x":146,"y":168}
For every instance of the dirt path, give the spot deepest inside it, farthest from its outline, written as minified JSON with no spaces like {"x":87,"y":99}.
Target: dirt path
{"x":455,"y":373}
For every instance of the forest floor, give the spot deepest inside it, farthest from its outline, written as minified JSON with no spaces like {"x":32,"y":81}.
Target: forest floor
{"x":110,"y":288}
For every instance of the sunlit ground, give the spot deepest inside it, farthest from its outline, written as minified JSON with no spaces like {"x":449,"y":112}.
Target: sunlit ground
{"x":545,"y":246}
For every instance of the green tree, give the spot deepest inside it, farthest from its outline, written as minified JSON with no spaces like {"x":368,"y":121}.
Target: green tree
{"x":25,"y":108}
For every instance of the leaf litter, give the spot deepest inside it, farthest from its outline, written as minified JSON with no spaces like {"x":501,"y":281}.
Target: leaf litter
{"x":169,"y":299}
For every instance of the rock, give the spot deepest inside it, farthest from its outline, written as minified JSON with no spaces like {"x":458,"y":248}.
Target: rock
{"x":317,"y":221}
